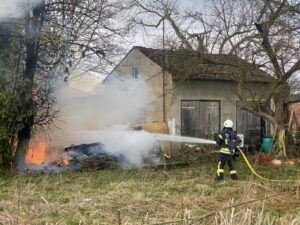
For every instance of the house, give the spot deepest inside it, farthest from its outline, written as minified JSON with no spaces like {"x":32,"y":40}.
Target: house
{"x":196,"y":90}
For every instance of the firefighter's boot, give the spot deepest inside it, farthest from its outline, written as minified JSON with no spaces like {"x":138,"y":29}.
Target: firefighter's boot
{"x":219,"y":177}
{"x":233,"y":176}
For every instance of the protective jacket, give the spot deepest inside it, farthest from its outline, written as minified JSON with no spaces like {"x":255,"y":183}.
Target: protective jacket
{"x":227,"y":141}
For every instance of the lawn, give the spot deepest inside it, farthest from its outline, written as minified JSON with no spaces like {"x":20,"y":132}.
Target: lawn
{"x":152,"y":195}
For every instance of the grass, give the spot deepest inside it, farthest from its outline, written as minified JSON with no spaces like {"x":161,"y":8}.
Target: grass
{"x":150,"y":195}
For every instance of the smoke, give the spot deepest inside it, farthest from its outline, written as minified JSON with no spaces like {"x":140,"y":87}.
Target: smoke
{"x":115,"y":106}
{"x":15,"y":8}
{"x":106,"y":117}
{"x":133,"y":146}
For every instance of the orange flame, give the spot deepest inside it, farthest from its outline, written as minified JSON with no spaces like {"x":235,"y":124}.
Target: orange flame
{"x":36,"y":155}
{"x":66,"y":162}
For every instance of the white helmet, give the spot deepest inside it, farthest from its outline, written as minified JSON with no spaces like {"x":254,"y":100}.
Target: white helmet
{"x":228,"y":124}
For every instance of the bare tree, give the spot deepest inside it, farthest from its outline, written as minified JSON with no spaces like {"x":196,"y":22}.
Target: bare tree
{"x":59,"y":36}
{"x":151,"y":14}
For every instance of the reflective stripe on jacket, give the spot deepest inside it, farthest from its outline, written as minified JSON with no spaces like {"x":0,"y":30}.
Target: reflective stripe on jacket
{"x":225,"y":151}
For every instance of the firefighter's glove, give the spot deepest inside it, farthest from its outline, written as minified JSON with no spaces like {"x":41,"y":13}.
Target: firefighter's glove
{"x":217,"y":138}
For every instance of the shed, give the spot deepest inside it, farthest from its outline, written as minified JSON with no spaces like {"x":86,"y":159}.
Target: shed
{"x":196,"y":90}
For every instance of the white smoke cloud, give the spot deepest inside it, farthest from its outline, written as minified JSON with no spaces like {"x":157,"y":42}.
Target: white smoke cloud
{"x":116,"y":105}
{"x":105,"y":117}
{"x":15,"y":8}
{"x":134,"y":146}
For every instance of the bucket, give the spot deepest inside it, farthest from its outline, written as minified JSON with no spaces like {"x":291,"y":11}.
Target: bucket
{"x":267,"y":144}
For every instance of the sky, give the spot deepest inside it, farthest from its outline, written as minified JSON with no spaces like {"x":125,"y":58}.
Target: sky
{"x":14,"y":8}
{"x":191,"y":3}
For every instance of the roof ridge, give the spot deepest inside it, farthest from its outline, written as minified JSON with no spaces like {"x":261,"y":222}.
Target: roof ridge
{"x":185,"y":50}
{"x":179,"y":62}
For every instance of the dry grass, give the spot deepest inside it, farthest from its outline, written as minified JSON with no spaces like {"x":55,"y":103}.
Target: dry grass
{"x":149,"y":196}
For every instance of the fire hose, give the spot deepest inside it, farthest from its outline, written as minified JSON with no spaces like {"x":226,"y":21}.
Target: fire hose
{"x":258,"y":175}
{"x":249,"y":165}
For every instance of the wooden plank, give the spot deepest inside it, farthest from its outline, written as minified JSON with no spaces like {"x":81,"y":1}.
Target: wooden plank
{"x":200,"y":118}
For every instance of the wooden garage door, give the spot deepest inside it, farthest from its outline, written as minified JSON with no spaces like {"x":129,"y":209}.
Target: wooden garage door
{"x":247,"y":121}
{"x":200,"y":118}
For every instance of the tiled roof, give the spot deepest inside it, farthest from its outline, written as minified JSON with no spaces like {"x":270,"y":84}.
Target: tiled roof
{"x":195,"y":65}
{"x":293,"y":98}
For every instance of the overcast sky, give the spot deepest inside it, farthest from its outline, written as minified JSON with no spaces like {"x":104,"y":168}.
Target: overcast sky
{"x":191,"y":3}
{"x":15,"y":8}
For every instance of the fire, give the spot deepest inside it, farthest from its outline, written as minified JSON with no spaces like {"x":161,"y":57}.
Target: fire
{"x":66,"y":162}
{"x":36,"y":155}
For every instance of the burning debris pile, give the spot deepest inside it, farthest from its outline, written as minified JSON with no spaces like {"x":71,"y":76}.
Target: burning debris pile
{"x":74,"y":158}
{"x":91,"y":156}
{"x":95,"y":156}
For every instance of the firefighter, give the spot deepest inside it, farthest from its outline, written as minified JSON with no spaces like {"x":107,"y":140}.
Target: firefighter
{"x":227,"y":142}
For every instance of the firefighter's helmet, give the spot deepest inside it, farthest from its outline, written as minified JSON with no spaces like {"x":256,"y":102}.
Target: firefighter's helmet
{"x":228,"y":124}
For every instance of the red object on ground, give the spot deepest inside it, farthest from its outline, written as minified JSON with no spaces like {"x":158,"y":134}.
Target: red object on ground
{"x":262,"y":159}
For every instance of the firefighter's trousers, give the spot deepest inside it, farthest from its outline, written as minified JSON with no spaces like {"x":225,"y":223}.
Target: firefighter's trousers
{"x":223,"y":159}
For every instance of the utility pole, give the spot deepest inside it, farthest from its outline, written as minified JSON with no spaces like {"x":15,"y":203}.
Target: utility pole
{"x":163,"y":71}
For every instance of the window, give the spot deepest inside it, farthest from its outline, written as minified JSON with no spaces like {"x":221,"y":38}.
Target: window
{"x":200,"y":118}
{"x":135,"y":72}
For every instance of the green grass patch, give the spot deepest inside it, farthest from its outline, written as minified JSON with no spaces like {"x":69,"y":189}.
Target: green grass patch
{"x":149,"y":195}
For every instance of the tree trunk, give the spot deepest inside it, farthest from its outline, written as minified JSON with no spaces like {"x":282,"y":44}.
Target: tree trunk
{"x":32,"y":30}
{"x":23,"y":141}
